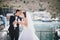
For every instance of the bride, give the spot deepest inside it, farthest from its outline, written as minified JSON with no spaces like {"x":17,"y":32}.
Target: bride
{"x":28,"y":32}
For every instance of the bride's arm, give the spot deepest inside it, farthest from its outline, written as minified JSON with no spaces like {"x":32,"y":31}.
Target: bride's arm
{"x":25,"y":22}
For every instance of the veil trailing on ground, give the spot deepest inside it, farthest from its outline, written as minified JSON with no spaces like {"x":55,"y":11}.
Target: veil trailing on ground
{"x":30,"y":22}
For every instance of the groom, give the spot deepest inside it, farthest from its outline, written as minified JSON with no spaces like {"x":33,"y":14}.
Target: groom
{"x":14,"y":30}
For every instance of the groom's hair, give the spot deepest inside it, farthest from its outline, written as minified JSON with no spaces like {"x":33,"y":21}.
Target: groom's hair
{"x":24,"y":14}
{"x":17,"y":10}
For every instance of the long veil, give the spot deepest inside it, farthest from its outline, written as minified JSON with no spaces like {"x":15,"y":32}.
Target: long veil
{"x":30,"y":22}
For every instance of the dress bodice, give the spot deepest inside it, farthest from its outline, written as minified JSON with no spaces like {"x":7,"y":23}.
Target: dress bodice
{"x":24,"y":27}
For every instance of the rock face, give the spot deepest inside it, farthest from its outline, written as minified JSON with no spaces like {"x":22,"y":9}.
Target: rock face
{"x":53,"y":6}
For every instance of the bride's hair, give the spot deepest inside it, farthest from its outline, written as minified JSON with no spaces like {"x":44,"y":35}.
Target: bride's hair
{"x":24,"y":14}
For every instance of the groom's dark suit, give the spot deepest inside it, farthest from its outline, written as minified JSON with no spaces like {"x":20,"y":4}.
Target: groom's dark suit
{"x":14,"y":33}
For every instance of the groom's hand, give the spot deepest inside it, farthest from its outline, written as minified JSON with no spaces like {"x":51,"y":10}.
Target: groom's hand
{"x":15,"y":22}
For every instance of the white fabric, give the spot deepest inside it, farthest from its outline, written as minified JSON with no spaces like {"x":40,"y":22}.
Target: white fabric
{"x":28,"y":33}
{"x":15,"y":25}
{"x":30,"y":22}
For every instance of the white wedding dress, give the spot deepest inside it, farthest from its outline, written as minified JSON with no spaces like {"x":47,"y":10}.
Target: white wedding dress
{"x":28,"y":33}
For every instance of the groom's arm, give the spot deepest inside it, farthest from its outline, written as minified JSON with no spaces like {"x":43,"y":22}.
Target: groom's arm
{"x":11,"y":20}
{"x":10,"y":23}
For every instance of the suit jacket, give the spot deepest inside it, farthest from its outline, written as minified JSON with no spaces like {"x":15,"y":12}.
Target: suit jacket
{"x":11,"y":27}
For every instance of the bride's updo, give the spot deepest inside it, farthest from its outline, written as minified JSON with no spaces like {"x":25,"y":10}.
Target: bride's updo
{"x":24,"y":14}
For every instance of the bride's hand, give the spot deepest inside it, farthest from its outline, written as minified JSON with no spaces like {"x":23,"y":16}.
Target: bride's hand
{"x":19,"y":22}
